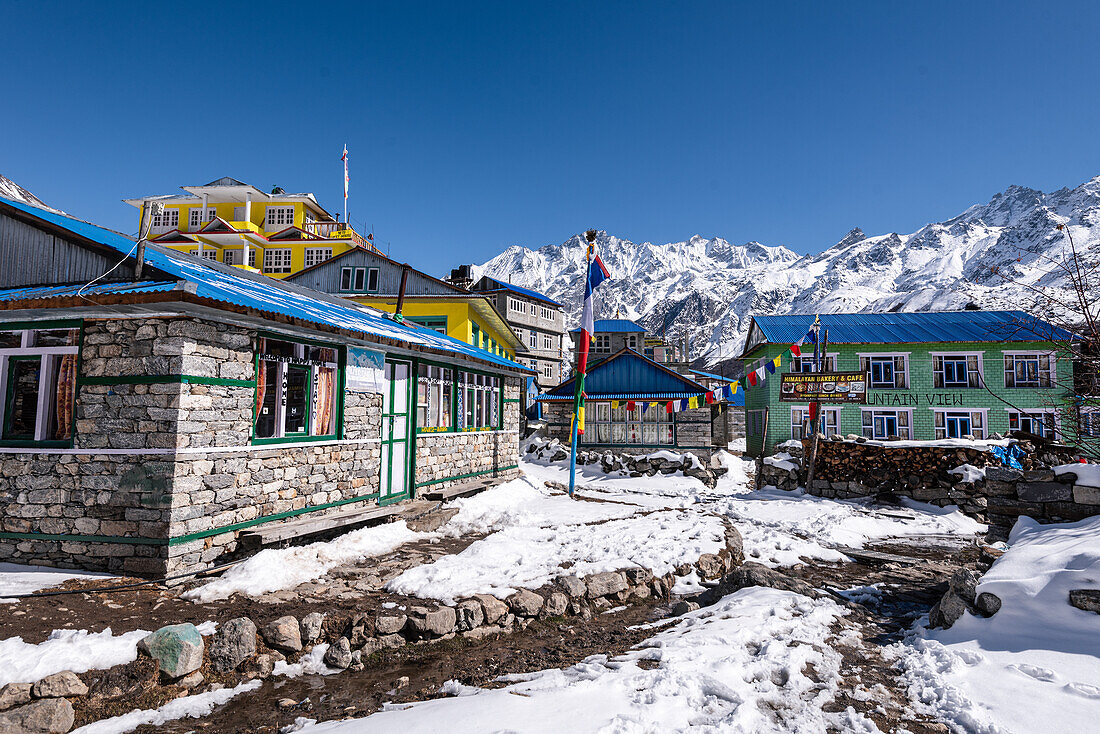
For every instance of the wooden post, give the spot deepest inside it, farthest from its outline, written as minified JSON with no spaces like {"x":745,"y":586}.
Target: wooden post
{"x":401,"y":295}
{"x":823,"y":359}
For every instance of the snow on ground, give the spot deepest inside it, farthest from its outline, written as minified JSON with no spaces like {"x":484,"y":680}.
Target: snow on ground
{"x":1034,"y":665}
{"x":737,"y":666}
{"x":1088,"y":475}
{"x":189,"y":706}
{"x":275,"y":569}
{"x":17,"y":579}
{"x":75,"y":650}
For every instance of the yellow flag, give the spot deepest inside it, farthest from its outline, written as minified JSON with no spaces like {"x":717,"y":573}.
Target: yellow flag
{"x":734,"y":386}
{"x":693,"y":402}
{"x":580,"y":420}
{"x":776,"y":361}
{"x":614,"y":404}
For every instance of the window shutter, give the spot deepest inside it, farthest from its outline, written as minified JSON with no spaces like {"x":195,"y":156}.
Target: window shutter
{"x":973,"y":374}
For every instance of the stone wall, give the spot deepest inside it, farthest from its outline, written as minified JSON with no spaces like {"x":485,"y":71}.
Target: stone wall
{"x":992,"y":493}
{"x":446,"y":459}
{"x":693,"y":430}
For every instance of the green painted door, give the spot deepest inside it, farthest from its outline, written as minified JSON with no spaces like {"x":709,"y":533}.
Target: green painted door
{"x":394,"y":476}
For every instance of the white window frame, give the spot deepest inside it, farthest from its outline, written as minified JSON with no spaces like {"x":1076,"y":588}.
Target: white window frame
{"x":896,"y":412}
{"x":943,"y":372}
{"x":808,"y":360}
{"x":1090,"y":422}
{"x":195,"y":218}
{"x":1052,"y":372}
{"x":315,"y":255}
{"x":548,"y":371}
{"x":46,"y":387}
{"x":277,"y":259}
{"x":533,"y":339}
{"x":546,"y":314}
{"x":166,"y":221}
{"x":905,"y":368}
{"x":800,"y":421}
{"x":1056,"y":428}
{"x":278,"y":216}
{"x":601,"y":344}
{"x":547,"y":342}
{"x":941,"y":433}
{"x":516,"y":305}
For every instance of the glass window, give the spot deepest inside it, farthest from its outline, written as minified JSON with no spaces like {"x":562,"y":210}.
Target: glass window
{"x":481,"y":406}
{"x":280,"y":216}
{"x":360,"y":279}
{"x":296,"y":390}
{"x":167,"y":219}
{"x":806,"y":363}
{"x":196,"y":218}
{"x":434,"y":388}
{"x":1028,"y":370}
{"x":602,"y":344}
{"x":39,"y":390}
{"x":372,"y":279}
{"x":1040,"y":423}
{"x":955,"y":371}
{"x":886,"y":372}
{"x":959,"y":423}
{"x":277,"y":260}
{"x":316,"y":255}
{"x":345,"y":279}
{"x":883,"y":424}
{"x":645,"y":425}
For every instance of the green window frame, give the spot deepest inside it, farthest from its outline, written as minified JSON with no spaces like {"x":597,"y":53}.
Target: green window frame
{"x":476,"y":399}
{"x":45,"y":355}
{"x":299,"y":392}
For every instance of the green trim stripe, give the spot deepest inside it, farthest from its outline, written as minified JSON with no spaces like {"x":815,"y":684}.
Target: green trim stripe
{"x":467,"y":476}
{"x":511,"y":400}
{"x":165,"y":380}
{"x":83,"y":538}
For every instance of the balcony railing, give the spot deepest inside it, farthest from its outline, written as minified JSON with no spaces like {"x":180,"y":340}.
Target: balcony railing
{"x":339,"y":231}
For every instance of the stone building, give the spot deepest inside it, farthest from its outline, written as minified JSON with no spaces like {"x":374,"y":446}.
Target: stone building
{"x":626,"y":408}
{"x":156,"y":419}
{"x":929,"y":376}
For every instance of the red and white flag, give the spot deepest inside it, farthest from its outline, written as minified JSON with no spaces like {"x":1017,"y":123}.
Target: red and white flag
{"x":597,"y":273}
{"x":344,"y":158}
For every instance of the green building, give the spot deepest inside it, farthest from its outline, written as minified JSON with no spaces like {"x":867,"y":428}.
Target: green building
{"x":930,"y":376}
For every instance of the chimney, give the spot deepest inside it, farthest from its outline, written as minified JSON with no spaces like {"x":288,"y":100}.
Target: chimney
{"x":401,"y":292}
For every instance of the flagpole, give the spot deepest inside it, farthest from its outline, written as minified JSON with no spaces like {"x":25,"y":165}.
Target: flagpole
{"x":823,"y":343}
{"x":578,"y":399}
{"x":345,"y":157}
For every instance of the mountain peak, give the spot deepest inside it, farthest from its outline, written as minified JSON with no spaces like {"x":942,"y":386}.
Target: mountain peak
{"x":11,"y":190}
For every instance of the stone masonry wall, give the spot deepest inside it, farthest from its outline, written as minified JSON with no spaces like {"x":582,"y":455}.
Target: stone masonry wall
{"x":443,"y":456}
{"x":693,"y":429}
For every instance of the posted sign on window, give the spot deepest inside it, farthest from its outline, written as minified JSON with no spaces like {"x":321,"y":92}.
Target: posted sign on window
{"x":823,"y":387}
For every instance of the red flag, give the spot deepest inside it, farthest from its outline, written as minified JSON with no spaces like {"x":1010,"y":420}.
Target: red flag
{"x":752,"y":378}
{"x":796,"y":350}
{"x":813,"y":411}
{"x":710,"y":397}
{"x":630,"y":405}
{"x":668,"y":406}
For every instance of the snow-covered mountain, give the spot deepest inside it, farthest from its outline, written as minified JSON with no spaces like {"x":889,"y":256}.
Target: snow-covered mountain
{"x":11,"y":190}
{"x":706,"y":289}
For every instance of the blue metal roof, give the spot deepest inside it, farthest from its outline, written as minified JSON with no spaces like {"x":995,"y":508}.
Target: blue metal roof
{"x":505,"y":286}
{"x":629,"y":373}
{"x":911,"y":328}
{"x":223,"y":283}
{"x":100,"y":289}
{"x":614,"y":325}
{"x":621,"y":396}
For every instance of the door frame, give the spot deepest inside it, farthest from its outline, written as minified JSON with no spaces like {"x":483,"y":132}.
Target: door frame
{"x":386,"y":497}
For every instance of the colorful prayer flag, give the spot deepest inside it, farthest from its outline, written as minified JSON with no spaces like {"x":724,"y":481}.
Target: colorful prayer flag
{"x":668,"y":406}
{"x":770,"y":367}
{"x":614,"y":404}
{"x":683,"y":403}
{"x":709,"y":397}
{"x":777,"y":361}
{"x":752,"y":378}
{"x":631,"y":405}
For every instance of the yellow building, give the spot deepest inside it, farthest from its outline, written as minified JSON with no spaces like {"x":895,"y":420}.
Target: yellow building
{"x":232,"y":222}
{"x":473,"y":319}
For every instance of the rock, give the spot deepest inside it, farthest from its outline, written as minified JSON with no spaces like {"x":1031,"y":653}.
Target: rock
{"x":401,"y":682}
{"x":636,"y":576}
{"x":755,"y":574}
{"x":1085,"y":599}
{"x":683,"y":607}
{"x":391,"y":641}
{"x":987,"y":604}
{"x":572,"y":586}
{"x":469,"y":614}
{"x":661,"y":586}
{"x":525,"y":603}
{"x":602,"y":584}
{"x":191,"y":680}
{"x":642,"y":591}
{"x":946,"y":611}
{"x":260,"y":666}
{"x":47,"y":716}
{"x":283,"y":634}
{"x":177,"y":649}
{"x":233,"y":643}
{"x":735,"y":545}
{"x":59,"y":685}
{"x":684,"y":569}
{"x":359,"y":629}
{"x":556,"y":604}
{"x":310,"y":627}
{"x":356,"y":660}
{"x":388,"y":624}
{"x":14,"y":694}
{"x":482,"y":632}
{"x":371,"y":646}
{"x":493,"y":608}
{"x":437,"y":622}
{"x":1003,"y":474}
{"x":338,"y":655}
{"x":964,"y":583}
{"x":709,"y":565}
{"x":1044,"y":492}
{"x":286,"y":703}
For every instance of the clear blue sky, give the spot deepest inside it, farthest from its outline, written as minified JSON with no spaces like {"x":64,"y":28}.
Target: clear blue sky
{"x":473,"y":127}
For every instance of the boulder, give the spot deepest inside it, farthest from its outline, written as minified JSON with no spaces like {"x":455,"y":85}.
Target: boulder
{"x":482,"y":632}
{"x":572,"y":586}
{"x":47,"y":715}
{"x":424,"y":622}
{"x":310,"y":627}
{"x":338,"y":655}
{"x":14,"y":694}
{"x":1085,"y":599}
{"x":709,"y":565}
{"x":59,"y":685}
{"x":493,"y":608}
{"x":177,"y":649}
{"x":371,"y":646}
{"x":603,"y":584}
{"x":556,"y":604}
{"x":391,"y":641}
{"x":683,"y":607}
{"x":946,"y":611}
{"x":259,"y":666}
{"x":390,"y":623}
{"x":637,"y":575}
{"x":964,"y":583}
{"x":283,"y":634}
{"x":987,"y":604}
{"x":469,"y":614}
{"x":525,"y":603}
{"x":735,"y":545}
{"x":359,"y":629}
{"x":191,"y":680}
{"x":233,"y":643}
{"x":755,"y":574}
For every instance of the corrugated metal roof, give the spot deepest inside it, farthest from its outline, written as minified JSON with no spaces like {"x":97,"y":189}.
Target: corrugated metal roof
{"x":614,"y":325}
{"x":621,"y":396}
{"x":505,"y":286}
{"x":911,"y":328}
{"x":223,"y":283}
{"x":629,"y":373}
{"x":100,"y":289}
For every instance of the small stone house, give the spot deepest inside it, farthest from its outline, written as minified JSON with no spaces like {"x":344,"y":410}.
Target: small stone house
{"x":625,"y":408}
{"x":157,"y":406}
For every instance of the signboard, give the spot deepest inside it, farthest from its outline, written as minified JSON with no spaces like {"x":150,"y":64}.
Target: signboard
{"x":823,"y":387}
{"x":365,"y":370}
